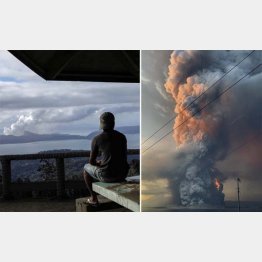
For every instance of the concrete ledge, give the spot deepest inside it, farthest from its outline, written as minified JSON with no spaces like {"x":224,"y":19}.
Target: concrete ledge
{"x":125,"y":194}
{"x":105,"y":205}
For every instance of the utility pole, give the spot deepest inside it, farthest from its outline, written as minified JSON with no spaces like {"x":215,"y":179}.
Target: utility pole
{"x":238,"y":193}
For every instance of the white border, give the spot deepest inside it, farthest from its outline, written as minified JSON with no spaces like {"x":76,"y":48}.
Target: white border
{"x":130,"y":25}
{"x":166,"y":24}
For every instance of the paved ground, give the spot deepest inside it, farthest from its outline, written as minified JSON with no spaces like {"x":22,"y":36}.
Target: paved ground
{"x":46,"y":205}
{"x":37,"y":205}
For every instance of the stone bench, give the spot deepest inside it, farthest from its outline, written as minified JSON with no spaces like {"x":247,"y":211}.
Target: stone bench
{"x":105,"y":205}
{"x":125,"y":194}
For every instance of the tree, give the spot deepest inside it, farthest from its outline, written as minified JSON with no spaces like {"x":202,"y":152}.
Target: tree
{"x":47,"y":170}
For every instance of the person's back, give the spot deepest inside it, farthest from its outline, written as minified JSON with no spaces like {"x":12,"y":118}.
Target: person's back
{"x":113,"y":148}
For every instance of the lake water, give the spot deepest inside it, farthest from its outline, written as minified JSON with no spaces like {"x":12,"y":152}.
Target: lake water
{"x":35,"y":147}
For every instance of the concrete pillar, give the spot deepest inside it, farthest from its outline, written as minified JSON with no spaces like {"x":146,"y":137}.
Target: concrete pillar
{"x":6,"y":178}
{"x":60,"y":181}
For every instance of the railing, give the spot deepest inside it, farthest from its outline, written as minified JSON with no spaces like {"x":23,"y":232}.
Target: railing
{"x":6,"y":161}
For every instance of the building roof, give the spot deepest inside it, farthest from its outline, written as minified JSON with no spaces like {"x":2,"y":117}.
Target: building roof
{"x":83,"y":65}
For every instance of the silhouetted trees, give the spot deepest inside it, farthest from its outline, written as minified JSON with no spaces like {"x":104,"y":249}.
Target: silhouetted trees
{"x":47,"y":170}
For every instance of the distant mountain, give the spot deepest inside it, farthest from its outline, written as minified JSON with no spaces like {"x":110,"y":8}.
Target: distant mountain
{"x":127,"y":130}
{"x":32,"y":137}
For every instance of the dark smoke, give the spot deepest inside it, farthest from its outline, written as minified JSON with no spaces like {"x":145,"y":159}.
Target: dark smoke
{"x":213,"y":132}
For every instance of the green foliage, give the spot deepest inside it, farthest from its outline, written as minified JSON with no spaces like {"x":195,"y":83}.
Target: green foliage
{"x":47,"y":170}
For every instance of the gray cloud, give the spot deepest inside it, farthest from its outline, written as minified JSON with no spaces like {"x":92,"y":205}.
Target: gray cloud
{"x":154,"y":72}
{"x":15,"y":96}
{"x":32,"y":119}
{"x":11,"y":69}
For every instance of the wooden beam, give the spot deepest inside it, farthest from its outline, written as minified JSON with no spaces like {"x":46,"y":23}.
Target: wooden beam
{"x":59,"y":62}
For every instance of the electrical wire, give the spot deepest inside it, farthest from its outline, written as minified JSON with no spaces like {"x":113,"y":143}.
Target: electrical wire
{"x":217,"y":81}
{"x":211,"y":101}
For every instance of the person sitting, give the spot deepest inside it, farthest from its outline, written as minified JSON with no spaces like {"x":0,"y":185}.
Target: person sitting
{"x":112,"y":166}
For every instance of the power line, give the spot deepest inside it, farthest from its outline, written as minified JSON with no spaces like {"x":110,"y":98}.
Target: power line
{"x":211,"y":101}
{"x":200,"y":95}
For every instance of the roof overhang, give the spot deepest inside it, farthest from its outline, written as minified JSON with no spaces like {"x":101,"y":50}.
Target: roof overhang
{"x":83,"y":65}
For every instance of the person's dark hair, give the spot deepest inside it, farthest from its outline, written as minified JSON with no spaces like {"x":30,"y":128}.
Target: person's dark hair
{"x":107,"y":121}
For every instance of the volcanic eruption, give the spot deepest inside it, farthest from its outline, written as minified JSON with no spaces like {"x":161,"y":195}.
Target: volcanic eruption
{"x":196,"y":132}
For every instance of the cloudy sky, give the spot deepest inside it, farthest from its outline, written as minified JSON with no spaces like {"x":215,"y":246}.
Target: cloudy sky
{"x":240,"y":109}
{"x":30,"y":103}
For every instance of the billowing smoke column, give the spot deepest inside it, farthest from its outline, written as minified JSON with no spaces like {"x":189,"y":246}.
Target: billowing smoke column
{"x":196,"y":180}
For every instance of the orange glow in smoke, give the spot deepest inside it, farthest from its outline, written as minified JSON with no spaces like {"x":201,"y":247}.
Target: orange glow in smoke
{"x":217,"y":184}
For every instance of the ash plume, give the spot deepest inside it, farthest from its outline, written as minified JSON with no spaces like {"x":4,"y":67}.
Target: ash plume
{"x":204,"y":138}
{"x":31,"y":120}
